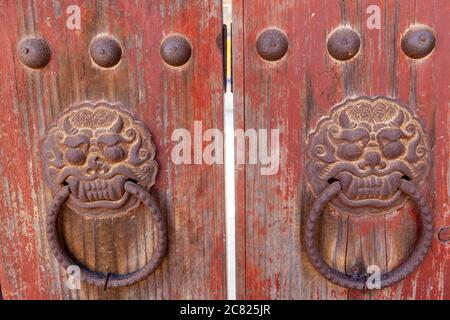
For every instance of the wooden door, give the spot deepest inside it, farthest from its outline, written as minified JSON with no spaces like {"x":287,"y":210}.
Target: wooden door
{"x":164,"y":97}
{"x":292,"y":81}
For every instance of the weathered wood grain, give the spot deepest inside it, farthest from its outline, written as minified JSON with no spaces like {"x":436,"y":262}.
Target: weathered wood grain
{"x":292,"y":95}
{"x":164,"y":98}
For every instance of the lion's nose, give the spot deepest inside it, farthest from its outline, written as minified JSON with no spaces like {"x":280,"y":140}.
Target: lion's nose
{"x":372,"y":158}
{"x":95,"y":162}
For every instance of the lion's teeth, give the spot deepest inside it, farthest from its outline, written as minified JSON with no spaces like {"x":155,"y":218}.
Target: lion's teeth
{"x":361,"y":190}
{"x":81,"y":194}
{"x":371,"y":187}
{"x":106,"y":194}
{"x":99,"y":189}
{"x":89,"y":196}
{"x":385,"y":191}
{"x":110,"y":191}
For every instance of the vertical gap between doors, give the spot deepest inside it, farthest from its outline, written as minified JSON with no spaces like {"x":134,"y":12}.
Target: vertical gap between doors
{"x":229,"y":162}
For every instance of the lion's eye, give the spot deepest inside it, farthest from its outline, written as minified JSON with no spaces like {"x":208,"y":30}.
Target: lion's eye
{"x":114,"y":153}
{"x":349,"y":151}
{"x":393,"y":149}
{"x":358,"y":134}
{"x":75,"y":156}
{"x":390,"y":134}
{"x":110,"y":139}
{"x":76,"y":141}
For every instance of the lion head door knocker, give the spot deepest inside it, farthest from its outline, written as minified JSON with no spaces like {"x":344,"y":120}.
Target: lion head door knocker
{"x":100,"y":162}
{"x":367,"y":157}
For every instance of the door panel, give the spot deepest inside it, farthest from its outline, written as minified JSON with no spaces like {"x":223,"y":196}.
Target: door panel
{"x":163,"y":97}
{"x":292,"y":94}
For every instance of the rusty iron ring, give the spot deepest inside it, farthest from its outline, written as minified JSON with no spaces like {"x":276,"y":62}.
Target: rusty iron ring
{"x":359,"y":281}
{"x":108,"y":280}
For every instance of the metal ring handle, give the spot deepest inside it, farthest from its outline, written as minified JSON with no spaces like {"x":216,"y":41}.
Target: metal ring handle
{"x":359,"y":282}
{"x":107,"y":279}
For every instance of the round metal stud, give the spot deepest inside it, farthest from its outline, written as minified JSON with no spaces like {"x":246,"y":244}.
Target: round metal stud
{"x":272,"y":44}
{"x":418,"y":42}
{"x":34,"y":53}
{"x":343,"y":43}
{"x":175,"y":50}
{"x":444,"y":234}
{"x":105,"y":51}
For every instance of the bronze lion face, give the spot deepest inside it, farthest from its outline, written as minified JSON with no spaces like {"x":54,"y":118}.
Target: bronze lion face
{"x":95,"y":149}
{"x":369,"y":145}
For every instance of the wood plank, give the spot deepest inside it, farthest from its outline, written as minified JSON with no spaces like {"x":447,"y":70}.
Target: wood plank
{"x":292,"y":94}
{"x":163,"y":97}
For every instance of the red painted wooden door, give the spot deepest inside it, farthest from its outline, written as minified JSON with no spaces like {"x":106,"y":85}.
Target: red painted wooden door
{"x":291,"y":92}
{"x":162,"y":96}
